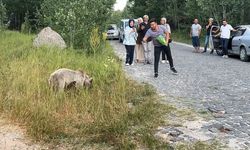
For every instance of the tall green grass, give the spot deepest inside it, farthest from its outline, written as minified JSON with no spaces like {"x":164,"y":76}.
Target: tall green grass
{"x":98,"y":115}
{"x":184,"y":37}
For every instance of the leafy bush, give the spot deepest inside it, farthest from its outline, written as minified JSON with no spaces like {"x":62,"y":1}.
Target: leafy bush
{"x":75,"y":19}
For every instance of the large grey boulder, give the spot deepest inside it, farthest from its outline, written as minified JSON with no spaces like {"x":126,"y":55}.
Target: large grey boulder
{"x":49,"y":37}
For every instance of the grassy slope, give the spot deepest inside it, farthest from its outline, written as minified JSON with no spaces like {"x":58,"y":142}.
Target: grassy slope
{"x":183,"y":36}
{"x":98,"y":115}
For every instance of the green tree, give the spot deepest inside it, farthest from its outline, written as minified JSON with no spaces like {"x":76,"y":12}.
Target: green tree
{"x":234,"y":11}
{"x":159,"y":8}
{"x":115,"y":17}
{"x":26,"y":27}
{"x":16,"y":10}
{"x":3,"y":17}
{"x":76,"y":19}
{"x":181,"y":13}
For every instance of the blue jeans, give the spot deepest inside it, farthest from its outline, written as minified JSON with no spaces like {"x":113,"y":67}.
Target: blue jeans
{"x":224,"y":44}
{"x":206,"y":42}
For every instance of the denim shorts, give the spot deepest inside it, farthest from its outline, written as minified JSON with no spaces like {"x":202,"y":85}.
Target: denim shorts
{"x":196,"y":41}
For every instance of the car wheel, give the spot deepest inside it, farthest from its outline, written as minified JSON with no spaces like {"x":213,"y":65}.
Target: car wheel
{"x":243,"y":54}
{"x":219,"y":52}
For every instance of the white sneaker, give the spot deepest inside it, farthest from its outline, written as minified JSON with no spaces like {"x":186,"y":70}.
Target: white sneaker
{"x":127,"y":64}
{"x":167,"y":62}
{"x":132,"y":64}
{"x":163,"y":61}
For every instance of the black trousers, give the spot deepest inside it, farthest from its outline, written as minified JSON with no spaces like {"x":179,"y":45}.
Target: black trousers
{"x":130,"y":49}
{"x":157,"y":54}
{"x":163,"y":54}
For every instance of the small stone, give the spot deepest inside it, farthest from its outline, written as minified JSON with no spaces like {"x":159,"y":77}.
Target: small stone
{"x":174,"y":134}
{"x":224,"y":129}
{"x":247,"y":143}
{"x":213,"y":130}
{"x":176,"y":139}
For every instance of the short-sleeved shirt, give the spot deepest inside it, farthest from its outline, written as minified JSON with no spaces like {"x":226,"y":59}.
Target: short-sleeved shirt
{"x":167,"y":26}
{"x":226,"y":31}
{"x":154,"y":34}
{"x":195,"y":29}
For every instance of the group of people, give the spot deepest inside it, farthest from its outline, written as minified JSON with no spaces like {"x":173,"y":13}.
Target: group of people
{"x":140,"y":41}
{"x":225,"y":31}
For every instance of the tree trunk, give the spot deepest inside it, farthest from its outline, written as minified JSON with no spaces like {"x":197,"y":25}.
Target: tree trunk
{"x":174,"y":3}
{"x":224,"y":12}
{"x":216,"y":18}
{"x":242,"y":13}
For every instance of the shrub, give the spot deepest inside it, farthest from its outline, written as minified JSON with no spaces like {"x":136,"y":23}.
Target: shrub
{"x":75,"y":19}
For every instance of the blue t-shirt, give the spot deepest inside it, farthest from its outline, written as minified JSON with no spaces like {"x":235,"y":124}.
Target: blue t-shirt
{"x":154,"y":34}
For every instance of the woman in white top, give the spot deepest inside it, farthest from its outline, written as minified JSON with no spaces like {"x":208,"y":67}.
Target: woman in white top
{"x":130,"y":41}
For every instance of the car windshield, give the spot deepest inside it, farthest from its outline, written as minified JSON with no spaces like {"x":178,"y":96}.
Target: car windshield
{"x":111,"y":27}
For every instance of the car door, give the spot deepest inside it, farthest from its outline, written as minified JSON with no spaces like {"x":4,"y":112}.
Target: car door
{"x":236,"y":41}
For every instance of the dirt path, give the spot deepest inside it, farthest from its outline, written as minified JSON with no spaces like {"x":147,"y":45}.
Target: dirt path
{"x":12,"y":137}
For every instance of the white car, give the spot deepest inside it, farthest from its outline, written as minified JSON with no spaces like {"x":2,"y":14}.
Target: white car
{"x":112,"y":32}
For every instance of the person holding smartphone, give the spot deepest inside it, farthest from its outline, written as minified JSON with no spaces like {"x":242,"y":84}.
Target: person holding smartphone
{"x":130,"y":41}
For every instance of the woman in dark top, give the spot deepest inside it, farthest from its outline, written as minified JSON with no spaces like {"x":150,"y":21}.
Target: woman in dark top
{"x":139,"y":51}
{"x":208,"y":28}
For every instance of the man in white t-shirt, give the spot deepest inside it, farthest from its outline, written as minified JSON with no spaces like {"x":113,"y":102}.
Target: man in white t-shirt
{"x":225,"y":33}
{"x":195,"y":33}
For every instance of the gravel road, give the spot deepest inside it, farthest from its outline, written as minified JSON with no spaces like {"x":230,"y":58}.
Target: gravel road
{"x":204,"y":82}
